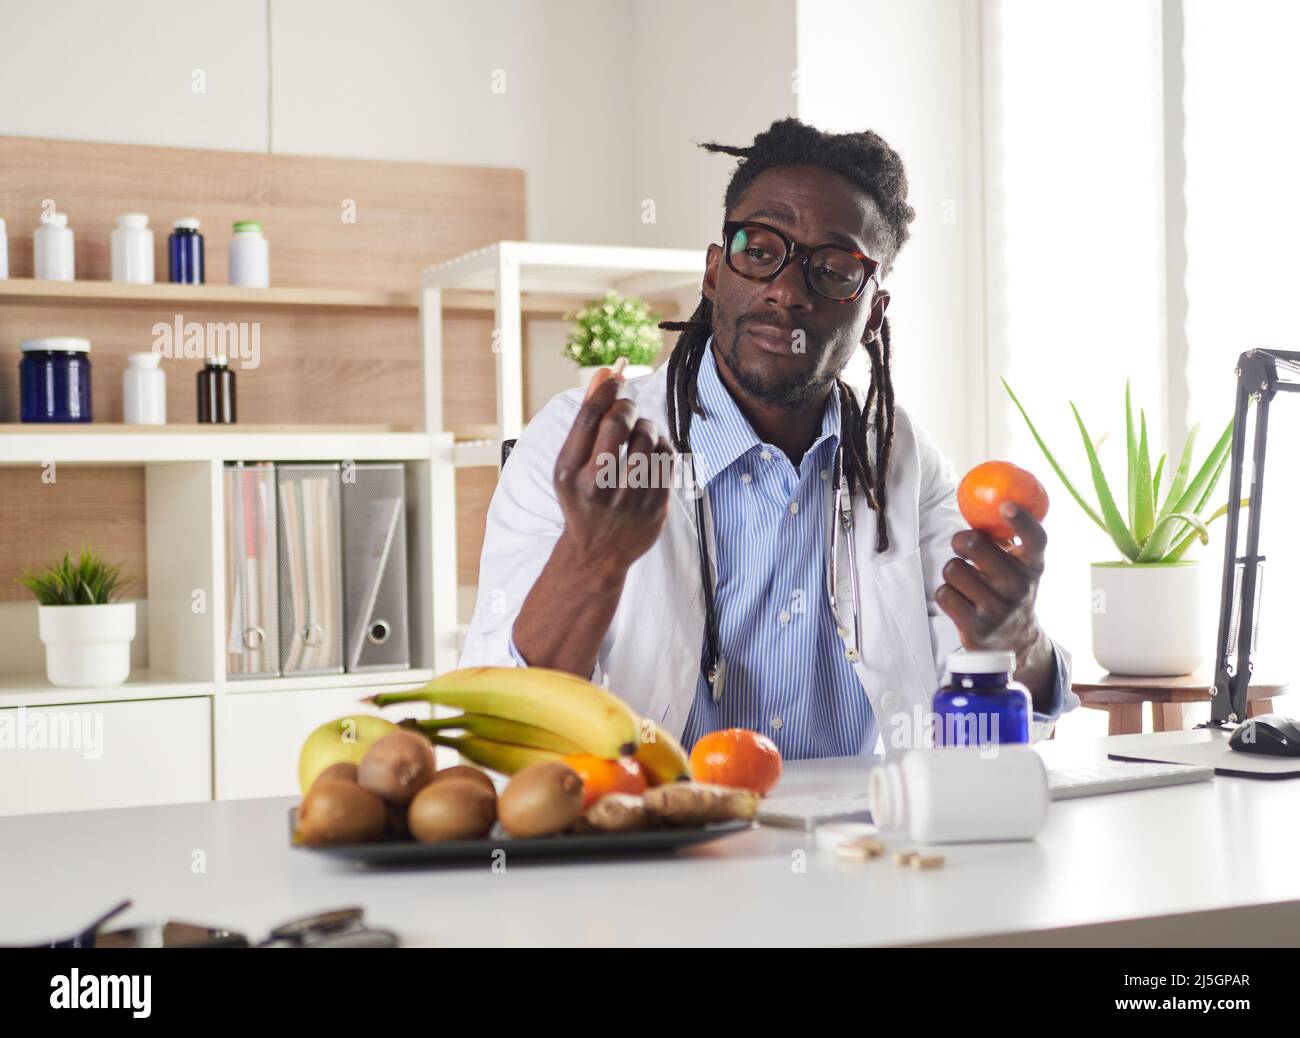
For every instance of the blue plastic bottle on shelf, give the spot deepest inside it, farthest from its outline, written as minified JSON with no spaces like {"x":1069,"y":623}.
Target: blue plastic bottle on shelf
{"x":185,"y":253}
{"x":981,"y":705}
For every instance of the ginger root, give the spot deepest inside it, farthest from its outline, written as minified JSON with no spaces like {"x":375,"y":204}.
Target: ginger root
{"x":697,"y":803}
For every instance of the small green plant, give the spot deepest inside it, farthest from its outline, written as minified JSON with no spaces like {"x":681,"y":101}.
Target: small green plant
{"x":1153,"y":531}
{"x":610,"y":328}
{"x":87,"y":580}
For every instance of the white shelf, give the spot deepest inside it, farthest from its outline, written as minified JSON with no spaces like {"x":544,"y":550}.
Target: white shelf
{"x":34,"y":690}
{"x":580,"y":271}
{"x":470,"y":454}
{"x":136,"y":445}
{"x":389,"y":680}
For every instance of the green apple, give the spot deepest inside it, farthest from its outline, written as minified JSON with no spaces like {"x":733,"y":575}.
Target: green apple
{"x":345,"y":740}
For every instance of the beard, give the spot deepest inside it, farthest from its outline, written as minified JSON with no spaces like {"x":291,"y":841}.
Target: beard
{"x":789,"y":392}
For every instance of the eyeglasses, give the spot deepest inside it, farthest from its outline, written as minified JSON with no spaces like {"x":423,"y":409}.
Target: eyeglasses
{"x":759,"y":252}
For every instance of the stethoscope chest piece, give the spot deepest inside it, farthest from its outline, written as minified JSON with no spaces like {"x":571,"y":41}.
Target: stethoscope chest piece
{"x":717,"y":677}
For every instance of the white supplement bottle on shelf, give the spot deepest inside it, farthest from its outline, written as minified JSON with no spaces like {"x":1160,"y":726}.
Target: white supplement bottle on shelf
{"x":132,"y":249}
{"x":144,"y":390}
{"x":54,"y":250}
{"x":968,"y":794}
{"x":250,"y":256}
{"x":4,"y":252}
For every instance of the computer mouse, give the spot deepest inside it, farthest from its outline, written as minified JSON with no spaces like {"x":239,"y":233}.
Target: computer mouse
{"x":1268,"y":734}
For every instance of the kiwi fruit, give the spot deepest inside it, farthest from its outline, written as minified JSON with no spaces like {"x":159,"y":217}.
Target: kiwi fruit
{"x":335,"y":812}
{"x":465,"y":773}
{"x":454,"y":809}
{"x":542,"y":800}
{"x":343,"y":771}
{"x":397,"y":766}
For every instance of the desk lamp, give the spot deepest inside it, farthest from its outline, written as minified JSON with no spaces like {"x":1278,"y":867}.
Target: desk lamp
{"x":1261,"y":375}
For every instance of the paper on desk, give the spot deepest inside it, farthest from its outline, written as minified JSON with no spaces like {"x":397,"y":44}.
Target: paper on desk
{"x":1201,"y":746}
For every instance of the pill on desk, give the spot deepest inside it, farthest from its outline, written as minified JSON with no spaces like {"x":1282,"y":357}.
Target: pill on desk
{"x":861,"y":849}
{"x":924,"y":864}
{"x":904,"y":857}
{"x":831,"y":834}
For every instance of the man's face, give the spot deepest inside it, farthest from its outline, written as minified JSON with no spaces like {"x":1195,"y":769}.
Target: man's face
{"x":757,"y":325}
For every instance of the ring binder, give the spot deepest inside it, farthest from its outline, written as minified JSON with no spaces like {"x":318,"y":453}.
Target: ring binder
{"x":374,"y":567}
{"x":311,"y":571}
{"x":252,"y":578}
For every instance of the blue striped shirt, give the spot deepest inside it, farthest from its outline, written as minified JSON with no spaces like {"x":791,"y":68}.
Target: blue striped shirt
{"x":787,"y":675}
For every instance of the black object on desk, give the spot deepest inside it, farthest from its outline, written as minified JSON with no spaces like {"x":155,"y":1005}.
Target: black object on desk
{"x":1261,"y":375}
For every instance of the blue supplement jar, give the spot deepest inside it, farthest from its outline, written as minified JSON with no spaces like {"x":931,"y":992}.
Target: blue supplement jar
{"x":185,"y":253}
{"x":981,"y":705}
{"x":54,"y":380}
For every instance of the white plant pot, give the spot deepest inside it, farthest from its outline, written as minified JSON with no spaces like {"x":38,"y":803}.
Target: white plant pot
{"x":585,"y":375}
{"x":1150,"y":620}
{"x":87,"y":646}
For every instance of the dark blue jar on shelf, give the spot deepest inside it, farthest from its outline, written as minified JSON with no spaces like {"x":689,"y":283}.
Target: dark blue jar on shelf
{"x":54,"y":380}
{"x":981,"y":705}
{"x":185,"y":253}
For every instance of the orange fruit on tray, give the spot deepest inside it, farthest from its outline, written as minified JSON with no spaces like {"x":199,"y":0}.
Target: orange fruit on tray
{"x":986,"y":486}
{"x":601,"y":777}
{"x":736,"y":757}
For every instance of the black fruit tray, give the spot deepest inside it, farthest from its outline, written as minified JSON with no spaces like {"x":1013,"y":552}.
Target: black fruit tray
{"x":484,"y":852}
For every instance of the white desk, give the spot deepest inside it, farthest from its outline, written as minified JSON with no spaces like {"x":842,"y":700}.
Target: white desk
{"x":1152,"y":867}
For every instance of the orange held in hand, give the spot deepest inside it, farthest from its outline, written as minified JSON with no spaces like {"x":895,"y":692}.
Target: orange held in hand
{"x":601,"y":777}
{"x":737,"y":757}
{"x":986,"y":486}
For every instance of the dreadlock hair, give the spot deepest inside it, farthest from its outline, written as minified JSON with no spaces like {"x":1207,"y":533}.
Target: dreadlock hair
{"x":867,"y":162}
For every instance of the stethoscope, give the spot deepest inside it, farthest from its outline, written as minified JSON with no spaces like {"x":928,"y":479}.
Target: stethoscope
{"x":715,"y":665}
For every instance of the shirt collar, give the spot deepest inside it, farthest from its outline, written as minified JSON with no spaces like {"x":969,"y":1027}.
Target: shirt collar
{"x":722,"y":435}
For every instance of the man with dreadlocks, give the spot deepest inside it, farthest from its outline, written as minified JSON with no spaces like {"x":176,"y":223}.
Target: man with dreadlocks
{"x":752,"y":594}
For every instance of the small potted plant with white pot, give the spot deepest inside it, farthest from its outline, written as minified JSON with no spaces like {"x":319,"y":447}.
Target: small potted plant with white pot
{"x":1148,"y":606}
{"x":87,"y":635}
{"x":610,"y":328}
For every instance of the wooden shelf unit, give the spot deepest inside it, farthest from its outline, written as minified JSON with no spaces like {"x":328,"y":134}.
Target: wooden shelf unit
{"x":340,"y":377}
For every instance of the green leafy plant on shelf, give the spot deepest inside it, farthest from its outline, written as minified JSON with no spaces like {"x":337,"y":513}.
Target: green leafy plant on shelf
{"x":86,"y":580}
{"x":610,"y":328}
{"x":1153,"y":531}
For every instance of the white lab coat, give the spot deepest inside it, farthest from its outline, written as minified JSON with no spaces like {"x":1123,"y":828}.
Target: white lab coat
{"x":651,"y":654}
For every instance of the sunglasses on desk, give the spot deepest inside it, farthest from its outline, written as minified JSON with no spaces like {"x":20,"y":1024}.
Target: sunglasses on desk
{"x":338,"y":928}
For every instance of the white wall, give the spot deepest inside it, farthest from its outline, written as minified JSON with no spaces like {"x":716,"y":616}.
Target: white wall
{"x":910,"y":72}
{"x":716,"y":71}
{"x":386,"y":79}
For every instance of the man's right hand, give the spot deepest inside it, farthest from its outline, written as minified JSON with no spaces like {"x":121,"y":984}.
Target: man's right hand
{"x":570,"y":606}
{"x":608,"y":527}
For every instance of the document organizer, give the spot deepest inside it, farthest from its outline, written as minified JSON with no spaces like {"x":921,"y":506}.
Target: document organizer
{"x":375,"y":590}
{"x":311,"y":570}
{"x":252,"y":578}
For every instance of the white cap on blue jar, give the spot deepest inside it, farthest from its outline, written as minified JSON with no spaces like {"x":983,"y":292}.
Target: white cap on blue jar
{"x":995,"y":661}
{"x":57,"y":344}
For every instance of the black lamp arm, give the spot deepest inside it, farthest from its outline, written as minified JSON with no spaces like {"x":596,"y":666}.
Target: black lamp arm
{"x":1259,"y":380}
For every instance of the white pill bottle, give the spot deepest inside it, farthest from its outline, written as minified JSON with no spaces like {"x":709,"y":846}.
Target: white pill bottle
{"x":54,"y":250}
{"x":250,"y":256}
{"x":131,"y":250}
{"x":962,"y":794}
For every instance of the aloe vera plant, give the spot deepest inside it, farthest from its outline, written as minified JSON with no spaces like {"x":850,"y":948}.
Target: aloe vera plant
{"x":1152,"y":529}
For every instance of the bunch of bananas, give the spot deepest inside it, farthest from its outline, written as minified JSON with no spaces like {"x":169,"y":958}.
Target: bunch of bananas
{"x":516,"y":716}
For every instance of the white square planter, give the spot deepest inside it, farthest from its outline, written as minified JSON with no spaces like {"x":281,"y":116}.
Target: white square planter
{"x":87,"y":646}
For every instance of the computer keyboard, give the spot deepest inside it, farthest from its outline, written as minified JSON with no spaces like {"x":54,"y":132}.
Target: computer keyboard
{"x":1117,"y":776}
{"x":1107,"y":776}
